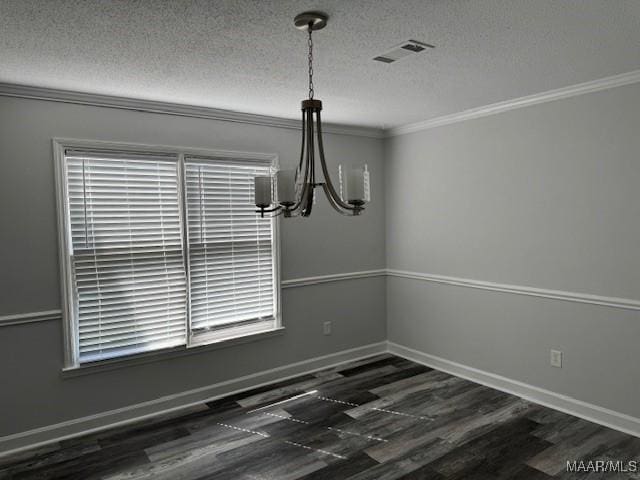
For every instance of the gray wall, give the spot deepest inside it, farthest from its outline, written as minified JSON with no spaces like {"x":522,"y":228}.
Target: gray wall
{"x":32,"y":388}
{"x":546,"y":196}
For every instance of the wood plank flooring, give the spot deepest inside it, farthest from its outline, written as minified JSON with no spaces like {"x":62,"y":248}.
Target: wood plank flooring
{"x":382,"y":418}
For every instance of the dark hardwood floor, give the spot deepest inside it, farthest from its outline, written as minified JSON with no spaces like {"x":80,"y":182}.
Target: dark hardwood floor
{"x":382,"y":418}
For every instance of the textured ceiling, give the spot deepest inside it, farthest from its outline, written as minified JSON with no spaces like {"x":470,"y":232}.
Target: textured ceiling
{"x":246,"y":55}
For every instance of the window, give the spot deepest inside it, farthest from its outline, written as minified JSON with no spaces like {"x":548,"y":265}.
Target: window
{"x":162,"y":250}
{"x":231,"y":277}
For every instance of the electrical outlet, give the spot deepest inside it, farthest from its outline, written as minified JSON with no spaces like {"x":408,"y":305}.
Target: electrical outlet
{"x":326,"y":328}
{"x":556,"y":358}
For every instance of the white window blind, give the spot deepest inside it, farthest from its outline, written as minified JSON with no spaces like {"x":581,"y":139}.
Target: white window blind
{"x":231,"y":259}
{"x":126,"y":253}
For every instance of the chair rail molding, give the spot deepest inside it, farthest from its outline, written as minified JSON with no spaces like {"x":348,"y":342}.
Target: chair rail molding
{"x":168,"y":108}
{"x":600,"y":300}
{"x":614,"y":302}
{"x":30,"y":317}
{"x":521,"y":102}
{"x":336,"y":277}
{"x":56,"y":314}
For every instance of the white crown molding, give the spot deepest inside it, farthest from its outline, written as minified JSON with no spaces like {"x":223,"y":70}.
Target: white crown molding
{"x":167,"y":108}
{"x":594,"y":413}
{"x":614,"y":302}
{"x":543,"y":97}
{"x":37,"y":437}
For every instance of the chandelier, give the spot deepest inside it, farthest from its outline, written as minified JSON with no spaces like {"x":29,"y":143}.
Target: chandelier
{"x":295,"y":189}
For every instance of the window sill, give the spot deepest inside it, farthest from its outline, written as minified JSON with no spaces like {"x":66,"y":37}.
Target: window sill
{"x":167,"y":354}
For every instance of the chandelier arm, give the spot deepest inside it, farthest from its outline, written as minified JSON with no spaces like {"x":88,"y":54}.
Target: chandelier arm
{"x":302,"y":167}
{"x":300,"y":205}
{"x":276,"y":214}
{"x":278,"y":209}
{"x":299,"y":169}
{"x":312,"y":147}
{"x":336,"y":207}
{"x":329,"y":189}
{"x":269,"y":210}
{"x":302,"y":200}
{"x":311,"y":164}
{"x":296,"y":209}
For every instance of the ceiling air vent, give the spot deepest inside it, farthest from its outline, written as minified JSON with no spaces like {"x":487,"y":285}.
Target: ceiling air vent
{"x":403,"y":50}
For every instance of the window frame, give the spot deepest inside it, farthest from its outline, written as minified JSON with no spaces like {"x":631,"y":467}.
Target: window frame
{"x":67,"y":291}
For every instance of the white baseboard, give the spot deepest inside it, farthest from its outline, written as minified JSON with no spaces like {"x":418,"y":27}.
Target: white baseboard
{"x":81,"y":426}
{"x":101,"y":421}
{"x":593,"y":413}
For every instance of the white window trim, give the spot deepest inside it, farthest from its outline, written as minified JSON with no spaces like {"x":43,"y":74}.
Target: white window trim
{"x":64,"y":241}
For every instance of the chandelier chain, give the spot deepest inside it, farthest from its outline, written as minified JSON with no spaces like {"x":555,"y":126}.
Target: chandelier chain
{"x":310,"y":63}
